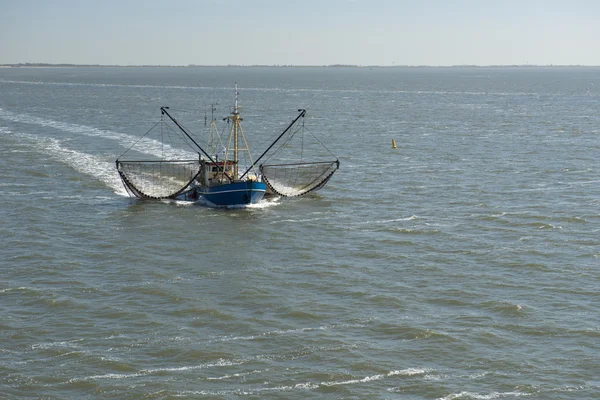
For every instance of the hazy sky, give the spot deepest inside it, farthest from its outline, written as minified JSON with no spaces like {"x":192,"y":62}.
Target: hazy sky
{"x":300,"y":32}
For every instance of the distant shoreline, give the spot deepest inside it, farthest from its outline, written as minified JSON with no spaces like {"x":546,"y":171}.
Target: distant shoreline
{"x":49,"y":65}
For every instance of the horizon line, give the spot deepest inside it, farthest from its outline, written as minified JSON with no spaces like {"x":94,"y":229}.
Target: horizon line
{"x":42,"y":64}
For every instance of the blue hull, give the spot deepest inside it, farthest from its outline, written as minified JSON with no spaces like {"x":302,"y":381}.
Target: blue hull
{"x":234,"y":194}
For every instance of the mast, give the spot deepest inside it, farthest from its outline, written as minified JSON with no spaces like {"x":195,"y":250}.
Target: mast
{"x":235,"y":129}
{"x":235,"y":134}
{"x":213,"y":129}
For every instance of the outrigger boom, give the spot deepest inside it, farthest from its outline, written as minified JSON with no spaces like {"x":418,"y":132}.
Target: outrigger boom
{"x":302,"y":114}
{"x":164,"y":111}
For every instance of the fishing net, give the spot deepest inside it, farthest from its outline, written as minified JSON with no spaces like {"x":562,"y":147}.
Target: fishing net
{"x":158,"y":165}
{"x":157,"y":179}
{"x":297,"y":179}
{"x":299,"y":165}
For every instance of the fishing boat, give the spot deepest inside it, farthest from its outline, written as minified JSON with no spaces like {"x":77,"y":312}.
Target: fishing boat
{"x":228,"y":177}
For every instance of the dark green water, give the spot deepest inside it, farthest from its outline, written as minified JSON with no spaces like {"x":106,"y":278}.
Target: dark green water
{"x":461,"y":265}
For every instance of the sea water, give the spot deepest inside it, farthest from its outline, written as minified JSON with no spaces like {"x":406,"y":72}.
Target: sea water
{"x":464,"y":264}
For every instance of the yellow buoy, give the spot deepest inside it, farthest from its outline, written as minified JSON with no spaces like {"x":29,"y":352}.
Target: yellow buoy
{"x":393,"y":144}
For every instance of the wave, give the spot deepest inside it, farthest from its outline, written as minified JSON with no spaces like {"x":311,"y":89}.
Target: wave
{"x":477,"y":396}
{"x":97,"y":167}
{"x":145,"y":146}
{"x":238,"y":375}
{"x":387,"y":221}
{"x":308,"y":385}
{"x":505,"y":307}
{"x":145,"y":372}
{"x":285,"y":332}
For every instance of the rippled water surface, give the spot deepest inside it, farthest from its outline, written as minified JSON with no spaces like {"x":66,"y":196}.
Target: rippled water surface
{"x":461,"y":265}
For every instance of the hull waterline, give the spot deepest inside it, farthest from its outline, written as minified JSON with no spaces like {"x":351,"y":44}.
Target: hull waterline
{"x":234,"y":194}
